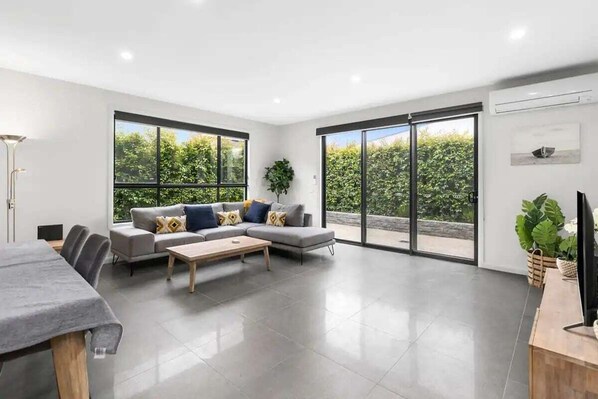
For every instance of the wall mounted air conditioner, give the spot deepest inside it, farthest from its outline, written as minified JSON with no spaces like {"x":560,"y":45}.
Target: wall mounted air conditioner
{"x":557,"y":93}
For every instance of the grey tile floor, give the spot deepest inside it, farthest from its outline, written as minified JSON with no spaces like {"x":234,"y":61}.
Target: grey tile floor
{"x":362,"y":324}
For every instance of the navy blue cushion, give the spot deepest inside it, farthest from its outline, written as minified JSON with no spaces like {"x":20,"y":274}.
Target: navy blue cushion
{"x":257,"y":212}
{"x":200,"y":217}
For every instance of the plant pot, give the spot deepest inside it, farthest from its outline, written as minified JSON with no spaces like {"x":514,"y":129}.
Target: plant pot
{"x":536,"y":267}
{"x":567,"y":268}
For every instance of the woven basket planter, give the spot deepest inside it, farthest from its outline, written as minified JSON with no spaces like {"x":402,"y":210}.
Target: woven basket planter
{"x":536,"y":267}
{"x":567,"y":268}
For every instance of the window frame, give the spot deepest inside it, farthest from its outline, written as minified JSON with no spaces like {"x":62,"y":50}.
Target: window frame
{"x":160,"y":123}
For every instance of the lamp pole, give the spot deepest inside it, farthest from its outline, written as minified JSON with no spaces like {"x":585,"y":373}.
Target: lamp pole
{"x":11,"y":142}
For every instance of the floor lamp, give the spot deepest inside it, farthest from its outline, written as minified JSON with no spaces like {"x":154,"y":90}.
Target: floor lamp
{"x":11,"y":142}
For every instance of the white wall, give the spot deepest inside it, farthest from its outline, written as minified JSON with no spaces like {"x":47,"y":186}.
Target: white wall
{"x":67,"y":155}
{"x":502,"y":186}
{"x":68,"y":161}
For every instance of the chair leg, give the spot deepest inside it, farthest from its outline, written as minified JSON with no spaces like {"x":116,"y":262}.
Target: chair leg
{"x":114,"y":259}
{"x":331,"y":249}
{"x":131,"y":268}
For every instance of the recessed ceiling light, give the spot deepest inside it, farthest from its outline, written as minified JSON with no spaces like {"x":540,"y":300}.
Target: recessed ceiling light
{"x":532,"y":93}
{"x":277,"y":100}
{"x":126,"y":55}
{"x":355,"y":78}
{"x":517,"y":34}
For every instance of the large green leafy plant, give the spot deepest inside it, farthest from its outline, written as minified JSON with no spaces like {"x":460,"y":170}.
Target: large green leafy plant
{"x":279,"y":176}
{"x":538,"y":226}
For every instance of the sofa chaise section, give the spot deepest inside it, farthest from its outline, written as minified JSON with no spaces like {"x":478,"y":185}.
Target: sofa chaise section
{"x":295,"y":239}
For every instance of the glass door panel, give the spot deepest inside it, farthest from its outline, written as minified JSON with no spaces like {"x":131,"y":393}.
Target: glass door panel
{"x":446,"y":197}
{"x":387,"y":170}
{"x":343,"y":185}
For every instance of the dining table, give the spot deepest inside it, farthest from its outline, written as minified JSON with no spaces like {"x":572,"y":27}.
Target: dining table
{"x":43,"y":300}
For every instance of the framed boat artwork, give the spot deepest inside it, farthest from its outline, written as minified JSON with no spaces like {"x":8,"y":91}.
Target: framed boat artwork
{"x":546,"y":145}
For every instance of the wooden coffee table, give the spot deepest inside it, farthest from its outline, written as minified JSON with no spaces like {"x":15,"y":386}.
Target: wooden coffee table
{"x":202,"y":252}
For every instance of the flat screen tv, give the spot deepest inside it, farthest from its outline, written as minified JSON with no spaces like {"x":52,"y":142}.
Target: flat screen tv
{"x":586,"y":263}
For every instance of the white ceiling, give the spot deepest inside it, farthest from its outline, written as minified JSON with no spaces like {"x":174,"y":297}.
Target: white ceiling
{"x":236,"y":56}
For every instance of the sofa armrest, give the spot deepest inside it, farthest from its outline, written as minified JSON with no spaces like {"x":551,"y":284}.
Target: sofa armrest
{"x":307,"y":220}
{"x":131,"y":241}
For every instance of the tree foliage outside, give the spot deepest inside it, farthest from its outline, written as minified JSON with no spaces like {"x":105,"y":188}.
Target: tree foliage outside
{"x":191,"y":159}
{"x":445,"y":177}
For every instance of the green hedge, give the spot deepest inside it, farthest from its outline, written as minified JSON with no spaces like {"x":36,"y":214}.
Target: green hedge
{"x":445,"y":176}
{"x":190,"y":161}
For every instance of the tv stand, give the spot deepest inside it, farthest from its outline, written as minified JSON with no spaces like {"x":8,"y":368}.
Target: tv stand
{"x":562,"y":363}
{"x":572,"y":326}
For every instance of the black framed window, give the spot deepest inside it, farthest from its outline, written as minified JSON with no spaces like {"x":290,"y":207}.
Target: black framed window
{"x":160,"y":162}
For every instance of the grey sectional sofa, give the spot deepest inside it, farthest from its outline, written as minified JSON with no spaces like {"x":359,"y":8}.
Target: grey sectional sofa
{"x":138,"y":241}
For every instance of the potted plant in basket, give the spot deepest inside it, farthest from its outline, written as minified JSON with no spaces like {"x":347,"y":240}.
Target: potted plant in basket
{"x":566,"y":260}
{"x":537,"y":229}
{"x":567,"y":257}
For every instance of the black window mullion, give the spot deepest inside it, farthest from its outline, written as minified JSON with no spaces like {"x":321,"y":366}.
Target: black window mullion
{"x":218,"y":166}
{"x":158,"y":162}
{"x":246,"y":154}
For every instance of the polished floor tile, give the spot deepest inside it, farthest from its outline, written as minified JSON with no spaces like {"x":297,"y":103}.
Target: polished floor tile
{"x":309,"y":375}
{"x":139,"y":350}
{"x":364,"y":324}
{"x":339,"y":300}
{"x":302,"y":322}
{"x":184,"y":377}
{"x":258,"y":304}
{"x":398,"y":321}
{"x":516,"y":390}
{"x":247,"y":354}
{"x":382,"y":393}
{"x":423,"y":373}
{"x":484,"y":348}
{"x":203,"y":327}
{"x":364,"y":350}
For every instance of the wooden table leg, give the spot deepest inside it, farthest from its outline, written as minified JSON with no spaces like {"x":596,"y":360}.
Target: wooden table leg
{"x":70,"y":365}
{"x":242,"y":258}
{"x":170,"y":266}
{"x":192,"y":267}
{"x":267,"y":258}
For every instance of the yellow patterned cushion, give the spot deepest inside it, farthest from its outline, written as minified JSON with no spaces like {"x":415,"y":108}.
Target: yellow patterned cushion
{"x":229,"y":218}
{"x":247,"y":203}
{"x":276,"y":218}
{"x":170,"y":224}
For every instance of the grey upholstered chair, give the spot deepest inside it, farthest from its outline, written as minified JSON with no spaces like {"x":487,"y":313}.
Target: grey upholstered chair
{"x":73,"y":243}
{"x":92,"y":257}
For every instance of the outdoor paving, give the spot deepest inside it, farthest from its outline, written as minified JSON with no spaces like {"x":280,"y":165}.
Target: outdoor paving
{"x":395,"y":239}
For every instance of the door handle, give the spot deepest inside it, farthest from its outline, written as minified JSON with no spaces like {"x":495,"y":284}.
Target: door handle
{"x":472,"y":197}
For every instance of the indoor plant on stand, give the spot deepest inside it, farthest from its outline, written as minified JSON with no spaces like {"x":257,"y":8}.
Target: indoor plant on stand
{"x":279,"y":177}
{"x":537,"y":229}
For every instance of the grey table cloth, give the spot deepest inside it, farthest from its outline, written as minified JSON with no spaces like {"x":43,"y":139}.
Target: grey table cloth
{"x":42,"y":296}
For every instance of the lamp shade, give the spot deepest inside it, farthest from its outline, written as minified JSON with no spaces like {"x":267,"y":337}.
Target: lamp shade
{"x":12,"y":138}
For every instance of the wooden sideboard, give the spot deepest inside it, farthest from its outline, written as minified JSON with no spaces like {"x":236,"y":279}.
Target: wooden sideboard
{"x":562,"y":364}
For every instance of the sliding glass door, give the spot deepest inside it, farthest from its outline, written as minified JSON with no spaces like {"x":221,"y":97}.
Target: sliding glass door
{"x":408,"y":187}
{"x":342,"y":185}
{"x":387,"y":186}
{"x":445,"y":198}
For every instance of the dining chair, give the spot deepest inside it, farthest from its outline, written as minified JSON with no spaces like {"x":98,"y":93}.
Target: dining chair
{"x":73,"y":243}
{"x":92,"y":257}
